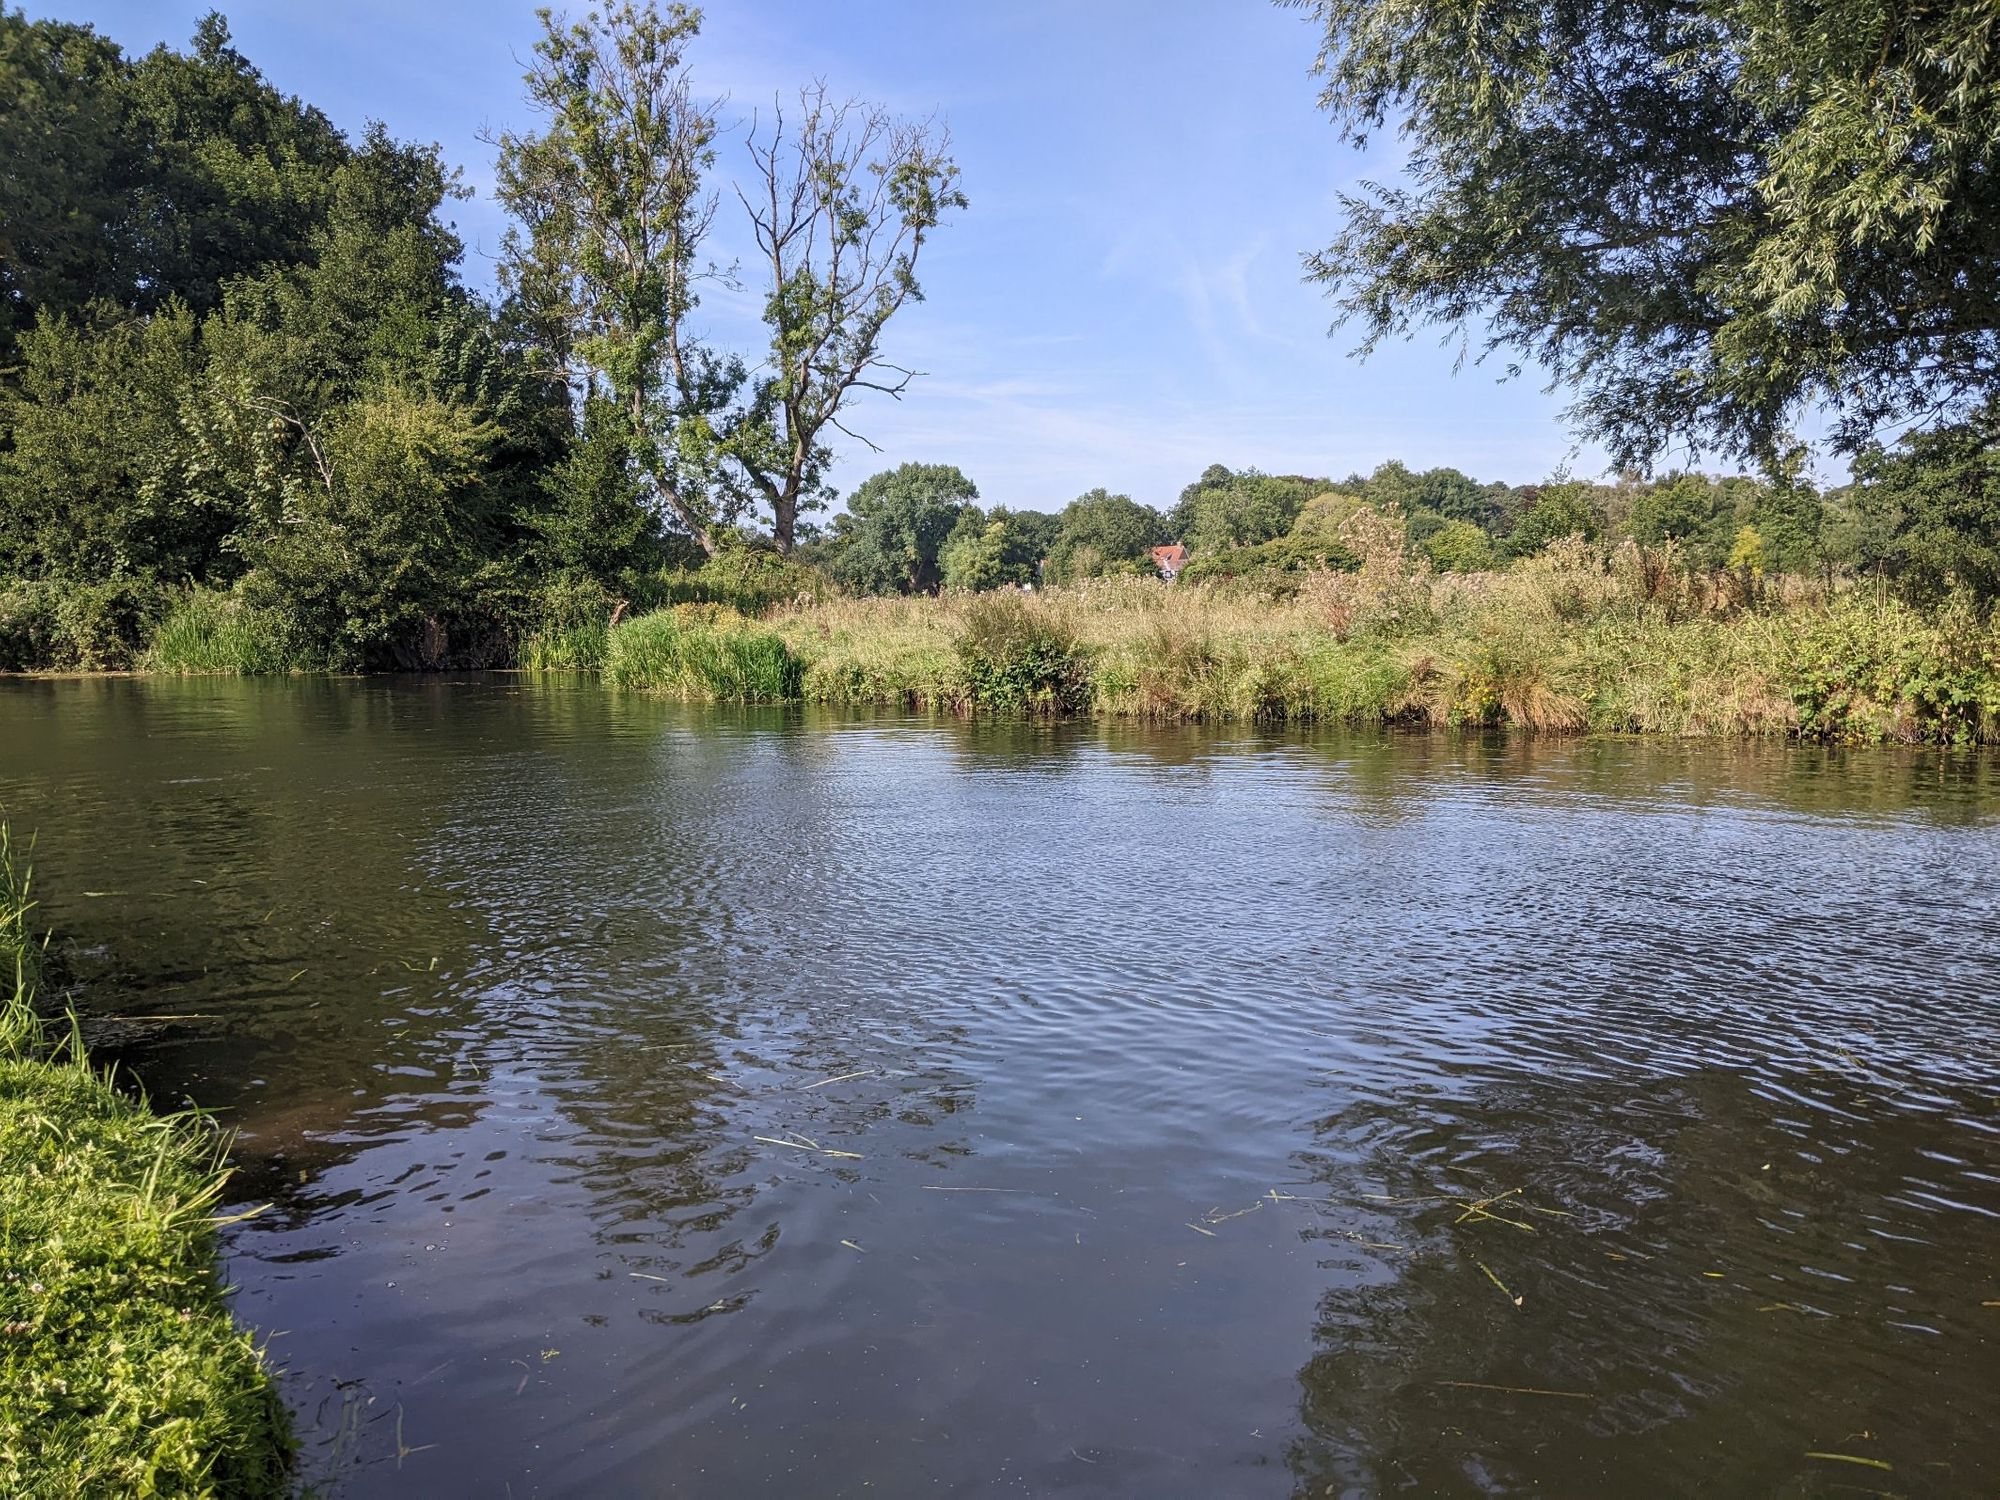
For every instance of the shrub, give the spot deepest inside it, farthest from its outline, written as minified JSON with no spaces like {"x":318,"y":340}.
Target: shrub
{"x":748,"y":580}
{"x":1289,"y":557}
{"x":702,"y":653}
{"x":1018,"y":657}
{"x":27,"y":626}
{"x":1459,"y":547}
{"x":1858,"y":671}
{"x":65,"y":626}
{"x":572,"y":626}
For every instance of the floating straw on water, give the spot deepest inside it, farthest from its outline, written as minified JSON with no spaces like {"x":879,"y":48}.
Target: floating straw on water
{"x":1517,"y":1390}
{"x":1850,"y":1458}
{"x":801,"y":1143}
{"x":840,"y":1078}
{"x":1497,"y":1282}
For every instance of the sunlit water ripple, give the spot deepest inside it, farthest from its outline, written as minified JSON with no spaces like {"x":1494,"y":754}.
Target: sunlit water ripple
{"x":662,"y":1101}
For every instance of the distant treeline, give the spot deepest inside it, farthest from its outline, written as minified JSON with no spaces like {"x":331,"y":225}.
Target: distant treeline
{"x":1926,"y":518}
{"x":249,"y":407}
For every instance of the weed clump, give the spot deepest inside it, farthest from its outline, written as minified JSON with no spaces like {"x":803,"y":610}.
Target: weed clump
{"x":1021,"y":658}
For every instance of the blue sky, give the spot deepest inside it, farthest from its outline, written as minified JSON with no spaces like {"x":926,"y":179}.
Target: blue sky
{"x":1121,"y":306}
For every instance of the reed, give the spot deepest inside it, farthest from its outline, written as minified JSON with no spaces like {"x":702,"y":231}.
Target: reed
{"x":702,"y":653}
{"x":213,"y":632}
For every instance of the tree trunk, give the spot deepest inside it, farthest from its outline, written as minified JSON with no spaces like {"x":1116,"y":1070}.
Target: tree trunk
{"x":785,"y":521}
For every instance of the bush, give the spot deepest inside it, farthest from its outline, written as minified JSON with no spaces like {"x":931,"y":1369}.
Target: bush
{"x":572,"y":627}
{"x":60,"y":626}
{"x":745,"y":579}
{"x":1858,"y":672}
{"x":1019,"y":658}
{"x":27,"y":627}
{"x":702,"y":653}
{"x":1282,"y":561}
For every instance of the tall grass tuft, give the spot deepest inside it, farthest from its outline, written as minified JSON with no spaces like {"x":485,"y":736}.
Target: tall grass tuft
{"x":212,"y":631}
{"x":121,"y":1372}
{"x":1022,"y":657}
{"x":702,"y":653}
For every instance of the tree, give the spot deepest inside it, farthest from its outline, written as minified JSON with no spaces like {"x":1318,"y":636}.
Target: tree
{"x":67,"y":171}
{"x":373,"y":549}
{"x":1103,"y":533}
{"x":606,"y":261}
{"x":896,"y":527}
{"x":146,"y":183}
{"x":1224,"y":509}
{"x":1558,"y":511}
{"x":1927,"y":512}
{"x":843,"y":205}
{"x":1459,"y":547}
{"x":1704,"y":218}
{"x":995,"y":550}
{"x":94,"y":483}
{"x":1687,"y":509}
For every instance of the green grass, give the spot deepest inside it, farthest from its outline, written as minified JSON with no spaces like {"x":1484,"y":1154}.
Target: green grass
{"x":209,"y":631}
{"x":702,"y":654}
{"x":1578,"y":640}
{"x":121,"y":1372}
{"x":578,"y":646}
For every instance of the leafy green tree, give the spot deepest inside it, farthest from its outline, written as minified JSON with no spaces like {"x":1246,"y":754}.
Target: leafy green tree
{"x":1223,"y":509}
{"x":594,"y":521}
{"x":68,"y":175}
{"x":974,"y":557}
{"x":236,"y":175}
{"x":1927,"y":512}
{"x":1100,"y":533}
{"x":999,"y":548}
{"x":605,"y":262}
{"x":374,"y":553}
{"x":1687,"y":509}
{"x":1459,"y":547}
{"x":94,"y":483}
{"x":896,"y":527}
{"x":1790,"y":519}
{"x":1323,"y":516}
{"x":1557,"y":511}
{"x":1705,"y":218}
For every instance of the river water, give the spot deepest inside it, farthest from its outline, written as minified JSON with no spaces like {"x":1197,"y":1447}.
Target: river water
{"x":662,"y":1101}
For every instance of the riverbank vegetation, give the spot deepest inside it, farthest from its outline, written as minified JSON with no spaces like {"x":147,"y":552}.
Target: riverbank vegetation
{"x":253,"y":420}
{"x":251,"y":414}
{"x":121,"y":1372}
{"x":1580,"y":637}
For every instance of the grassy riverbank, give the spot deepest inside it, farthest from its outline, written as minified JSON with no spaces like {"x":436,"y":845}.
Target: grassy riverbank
{"x":1567,"y":642}
{"x":121,"y":1372}
{"x":1578,"y":638}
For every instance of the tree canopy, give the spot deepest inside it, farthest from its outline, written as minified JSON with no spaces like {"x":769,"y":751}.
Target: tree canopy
{"x":1706,"y":218}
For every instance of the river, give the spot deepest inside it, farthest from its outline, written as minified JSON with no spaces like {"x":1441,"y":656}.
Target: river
{"x":652,"y":1100}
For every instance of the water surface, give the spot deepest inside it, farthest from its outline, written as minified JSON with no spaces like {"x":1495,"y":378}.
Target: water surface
{"x":663,"y":1101}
